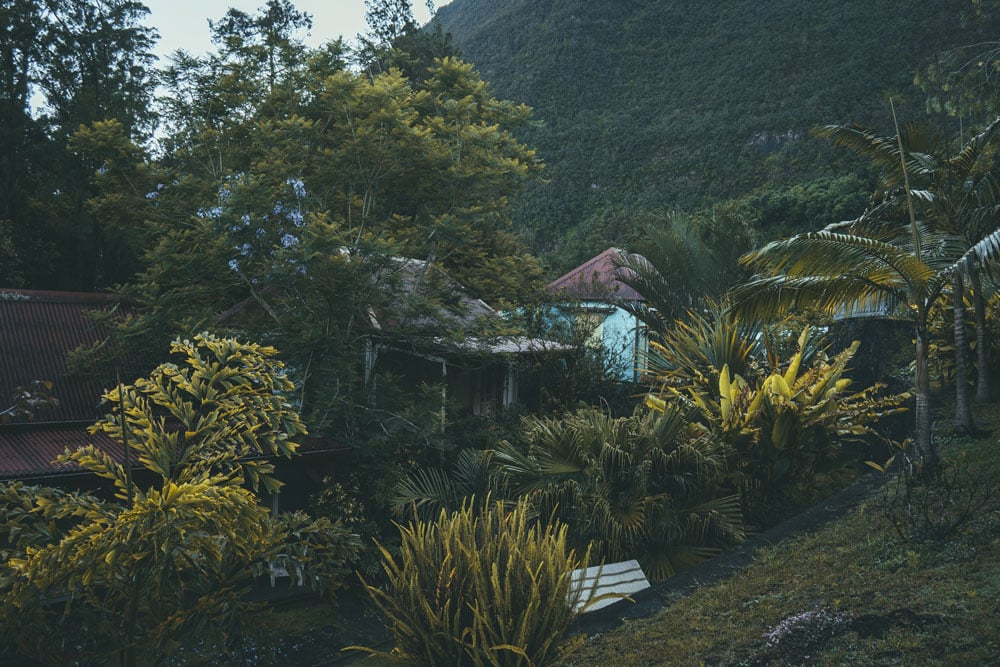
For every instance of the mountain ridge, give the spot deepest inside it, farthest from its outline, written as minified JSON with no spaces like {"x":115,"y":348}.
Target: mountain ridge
{"x":676,"y":105}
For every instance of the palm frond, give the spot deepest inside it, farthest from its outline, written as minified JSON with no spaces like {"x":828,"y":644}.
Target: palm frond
{"x":985,"y":250}
{"x":967,"y":159}
{"x":471,"y":470}
{"x":522,"y":473}
{"x":823,"y":253}
{"x":699,"y":345}
{"x":844,"y":296}
{"x":427,"y":491}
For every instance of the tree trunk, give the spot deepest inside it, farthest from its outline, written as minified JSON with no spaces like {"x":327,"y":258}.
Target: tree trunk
{"x":982,"y":340}
{"x":963,"y":406}
{"x":924,"y":443}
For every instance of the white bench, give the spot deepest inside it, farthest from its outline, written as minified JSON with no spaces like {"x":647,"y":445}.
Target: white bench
{"x":613,"y":580}
{"x":276,"y":571}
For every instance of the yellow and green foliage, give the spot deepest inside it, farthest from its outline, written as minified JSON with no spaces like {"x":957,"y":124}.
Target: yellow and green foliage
{"x":787,"y":425}
{"x":168,"y":563}
{"x":692,"y":350}
{"x":490,"y":588}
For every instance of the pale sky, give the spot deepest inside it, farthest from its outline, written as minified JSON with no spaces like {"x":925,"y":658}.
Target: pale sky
{"x":183,"y":24}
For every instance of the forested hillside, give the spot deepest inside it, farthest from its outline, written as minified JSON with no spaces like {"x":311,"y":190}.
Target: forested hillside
{"x":645,"y":106}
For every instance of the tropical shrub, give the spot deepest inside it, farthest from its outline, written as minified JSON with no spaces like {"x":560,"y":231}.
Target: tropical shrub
{"x":489,"y":588}
{"x":789,"y":425}
{"x":693,"y":351}
{"x":645,"y":486}
{"x":924,"y":510}
{"x":170,"y":562}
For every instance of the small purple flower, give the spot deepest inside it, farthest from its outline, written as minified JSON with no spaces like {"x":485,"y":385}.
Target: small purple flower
{"x":807,"y":625}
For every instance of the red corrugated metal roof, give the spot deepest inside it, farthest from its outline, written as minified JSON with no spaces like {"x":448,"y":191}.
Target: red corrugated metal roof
{"x":37,"y":329}
{"x":595,"y":280}
{"x":31,"y":452}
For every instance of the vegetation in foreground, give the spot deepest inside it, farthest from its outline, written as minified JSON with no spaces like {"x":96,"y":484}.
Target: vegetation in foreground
{"x":883,"y":585}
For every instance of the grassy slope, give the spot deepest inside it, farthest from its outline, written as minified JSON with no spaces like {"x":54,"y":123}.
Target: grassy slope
{"x":872,"y":598}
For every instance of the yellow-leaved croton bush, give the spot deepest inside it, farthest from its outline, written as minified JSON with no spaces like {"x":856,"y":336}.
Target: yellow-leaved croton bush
{"x":788,"y":424}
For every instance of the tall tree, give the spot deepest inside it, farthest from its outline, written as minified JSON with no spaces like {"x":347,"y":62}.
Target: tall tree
{"x":98,"y":65}
{"x":22,"y":137}
{"x":81,"y":61}
{"x":394,"y":40}
{"x":262,"y":46}
{"x":388,"y":19}
{"x":294,"y":195}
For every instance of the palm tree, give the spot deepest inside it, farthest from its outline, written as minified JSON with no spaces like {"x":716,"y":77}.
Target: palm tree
{"x":683,"y":262}
{"x":957,"y":194}
{"x":850,"y":269}
{"x":878,"y":265}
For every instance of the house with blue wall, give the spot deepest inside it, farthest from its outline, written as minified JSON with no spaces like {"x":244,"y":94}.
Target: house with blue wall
{"x":591,"y":296}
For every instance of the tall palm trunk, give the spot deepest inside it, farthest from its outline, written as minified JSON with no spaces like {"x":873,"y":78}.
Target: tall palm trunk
{"x":963,"y":406}
{"x":925,"y":450}
{"x":982,"y":335}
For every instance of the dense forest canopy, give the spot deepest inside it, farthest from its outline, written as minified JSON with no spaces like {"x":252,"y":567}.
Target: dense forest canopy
{"x":646,"y":106}
{"x":639,"y":109}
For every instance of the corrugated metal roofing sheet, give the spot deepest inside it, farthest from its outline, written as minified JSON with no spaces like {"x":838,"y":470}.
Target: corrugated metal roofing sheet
{"x":37,"y":329}
{"x":31,"y":452}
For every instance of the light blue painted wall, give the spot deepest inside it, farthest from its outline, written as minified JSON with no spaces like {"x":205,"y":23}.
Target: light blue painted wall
{"x":620,"y":341}
{"x":618,"y":335}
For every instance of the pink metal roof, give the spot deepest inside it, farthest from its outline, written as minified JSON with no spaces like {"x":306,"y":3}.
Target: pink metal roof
{"x":595,"y":280}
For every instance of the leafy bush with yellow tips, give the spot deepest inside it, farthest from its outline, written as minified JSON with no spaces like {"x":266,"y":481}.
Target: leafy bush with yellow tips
{"x":792,"y":422}
{"x":490,"y":588}
{"x":166,"y":563}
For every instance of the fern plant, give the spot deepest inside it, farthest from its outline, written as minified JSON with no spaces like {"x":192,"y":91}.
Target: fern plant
{"x":489,"y":588}
{"x":645,"y":486}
